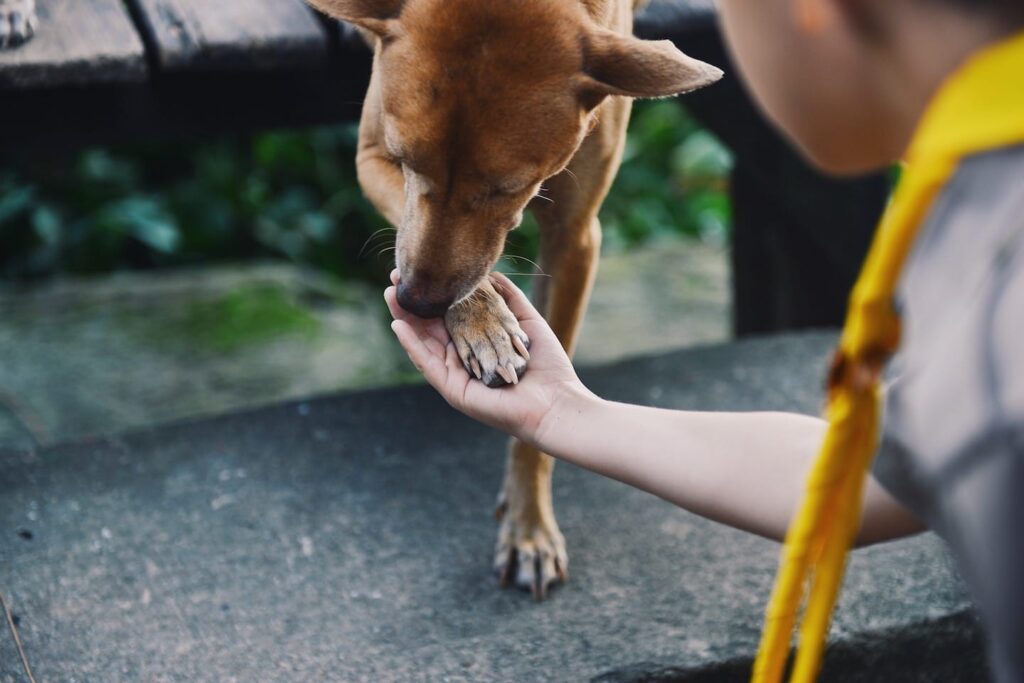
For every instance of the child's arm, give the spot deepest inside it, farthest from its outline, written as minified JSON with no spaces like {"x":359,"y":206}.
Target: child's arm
{"x":743,"y":469}
{"x":746,"y":470}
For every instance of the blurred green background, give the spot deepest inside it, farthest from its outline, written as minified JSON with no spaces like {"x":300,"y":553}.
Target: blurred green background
{"x":294,"y":196}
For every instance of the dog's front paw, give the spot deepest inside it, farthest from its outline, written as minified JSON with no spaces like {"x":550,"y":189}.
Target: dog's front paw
{"x":492,"y":346}
{"x":17,"y":21}
{"x":530,"y":553}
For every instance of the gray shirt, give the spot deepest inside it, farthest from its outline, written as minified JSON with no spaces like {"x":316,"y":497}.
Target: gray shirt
{"x":952,"y":446}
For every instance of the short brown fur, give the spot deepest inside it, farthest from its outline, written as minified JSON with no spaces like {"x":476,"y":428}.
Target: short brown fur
{"x":473,"y":107}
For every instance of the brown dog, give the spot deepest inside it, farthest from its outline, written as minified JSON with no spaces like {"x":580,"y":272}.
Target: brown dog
{"x":472,"y":106}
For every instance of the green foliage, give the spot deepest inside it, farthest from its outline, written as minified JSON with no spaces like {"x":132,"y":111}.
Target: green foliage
{"x":294,"y":195}
{"x":246,"y":316}
{"x":673,"y":179}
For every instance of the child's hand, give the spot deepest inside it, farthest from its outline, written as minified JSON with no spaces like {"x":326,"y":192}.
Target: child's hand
{"x":520,"y":409}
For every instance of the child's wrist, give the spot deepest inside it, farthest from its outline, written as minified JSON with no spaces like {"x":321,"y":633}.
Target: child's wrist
{"x":566,"y":409}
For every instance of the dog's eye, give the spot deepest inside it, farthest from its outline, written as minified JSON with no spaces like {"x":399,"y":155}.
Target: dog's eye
{"x":422,"y":184}
{"x":513,"y":188}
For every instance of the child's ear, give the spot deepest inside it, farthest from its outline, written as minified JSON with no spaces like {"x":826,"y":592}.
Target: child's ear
{"x":615,"y":64}
{"x":373,"y":15}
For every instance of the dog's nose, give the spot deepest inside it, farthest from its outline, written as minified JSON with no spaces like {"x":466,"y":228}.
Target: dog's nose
{"x":418,"y":302}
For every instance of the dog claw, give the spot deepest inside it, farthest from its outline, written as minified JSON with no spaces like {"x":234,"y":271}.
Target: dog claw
{"x":488,"y":338}
{"x":507,"y":573}
{"x":534,"y":562}
{"x":539,"y":588}
{"x":504,"y":373}
{"x":520,"y":347}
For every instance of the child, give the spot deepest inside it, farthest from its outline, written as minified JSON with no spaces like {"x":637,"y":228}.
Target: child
{"x":856,"y":84}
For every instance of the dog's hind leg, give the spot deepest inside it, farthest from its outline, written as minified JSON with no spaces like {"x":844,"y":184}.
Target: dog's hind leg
{"x":531,"y":549}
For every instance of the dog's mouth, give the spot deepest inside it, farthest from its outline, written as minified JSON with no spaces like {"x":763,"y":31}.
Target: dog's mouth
{"x":465,"y":297}
{"x":427,"y":302}
{"x":466,"y":293}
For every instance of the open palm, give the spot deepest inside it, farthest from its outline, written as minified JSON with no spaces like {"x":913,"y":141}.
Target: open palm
{"x":518,"y":409}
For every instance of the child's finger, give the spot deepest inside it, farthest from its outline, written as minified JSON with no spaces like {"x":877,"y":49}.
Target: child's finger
{"x":429,"y":361}
{"x":391,"y":298}
{"x":434,"y":327}
{"x":517,"y":301}
{"x":394,"y":277}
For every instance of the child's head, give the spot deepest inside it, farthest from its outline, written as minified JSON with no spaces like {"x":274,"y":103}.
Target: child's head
{"x":847,"y":80}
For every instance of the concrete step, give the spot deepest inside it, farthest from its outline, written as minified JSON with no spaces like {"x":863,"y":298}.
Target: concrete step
{"x":349,"y":538}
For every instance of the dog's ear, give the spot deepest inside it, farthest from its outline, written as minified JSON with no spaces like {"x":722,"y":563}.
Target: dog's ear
{"x":373,"y":15}
{"x":615,"y":64}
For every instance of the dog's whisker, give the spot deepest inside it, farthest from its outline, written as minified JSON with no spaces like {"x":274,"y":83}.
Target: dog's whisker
{"x":371,"y":238}
{"x":574,"y":178}
{"x":382,"y":230}
{"x":379,"y":248}
{"x":523,"y":258}
{"x":540,"y":194}
{"x":385,"y":251}
{"x":526,"y":274}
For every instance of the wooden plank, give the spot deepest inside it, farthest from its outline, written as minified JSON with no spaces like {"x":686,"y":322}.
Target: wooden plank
{"x":77,"y":42}
{"x":183,"y":106}
{"x":231,"y":34}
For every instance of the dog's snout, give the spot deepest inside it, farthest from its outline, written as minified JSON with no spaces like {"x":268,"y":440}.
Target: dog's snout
{"x":419,"y":301}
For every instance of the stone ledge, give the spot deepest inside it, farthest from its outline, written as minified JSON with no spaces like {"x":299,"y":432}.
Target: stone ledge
{"x":349,"y":538}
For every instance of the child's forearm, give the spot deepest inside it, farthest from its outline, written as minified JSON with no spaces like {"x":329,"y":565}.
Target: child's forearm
{"x":746,"y":470}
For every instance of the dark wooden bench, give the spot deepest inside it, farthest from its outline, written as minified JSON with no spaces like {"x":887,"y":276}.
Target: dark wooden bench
{"x":108,"y":71}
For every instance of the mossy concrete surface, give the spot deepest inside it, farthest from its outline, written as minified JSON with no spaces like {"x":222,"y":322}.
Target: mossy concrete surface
{"x":98,"y":356}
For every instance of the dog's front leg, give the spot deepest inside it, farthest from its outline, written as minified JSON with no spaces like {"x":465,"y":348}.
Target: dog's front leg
{"x":531,"y":549}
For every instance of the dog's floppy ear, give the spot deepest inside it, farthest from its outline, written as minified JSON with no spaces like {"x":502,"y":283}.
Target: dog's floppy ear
{"x":616,"y":64}
{"x":373,"y":15}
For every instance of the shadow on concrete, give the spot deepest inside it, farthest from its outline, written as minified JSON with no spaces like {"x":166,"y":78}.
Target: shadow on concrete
{"x":949,"y":649}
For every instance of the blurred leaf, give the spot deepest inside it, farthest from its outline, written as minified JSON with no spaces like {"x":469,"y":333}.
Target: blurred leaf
{"x":99,"y":166}
{"x":702,"y":156}
{"x":47,"y":224}
{"x":15,"y":201}
{"x":145,"y":220}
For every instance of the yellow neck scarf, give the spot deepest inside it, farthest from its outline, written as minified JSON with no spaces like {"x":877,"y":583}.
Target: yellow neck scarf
{"x":979,"y":108}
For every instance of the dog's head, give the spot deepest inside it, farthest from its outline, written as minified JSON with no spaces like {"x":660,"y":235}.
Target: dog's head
{"x":482,"y":100}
